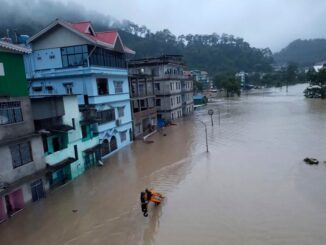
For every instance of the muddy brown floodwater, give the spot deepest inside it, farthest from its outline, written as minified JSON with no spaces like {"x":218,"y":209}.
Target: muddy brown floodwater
{"x":251,"y":188}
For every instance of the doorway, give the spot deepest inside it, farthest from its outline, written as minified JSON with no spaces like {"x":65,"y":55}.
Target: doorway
{"x":37,"y":190}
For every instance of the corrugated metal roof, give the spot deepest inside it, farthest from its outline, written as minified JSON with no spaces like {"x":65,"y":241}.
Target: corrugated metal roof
{"x":15,"y":47}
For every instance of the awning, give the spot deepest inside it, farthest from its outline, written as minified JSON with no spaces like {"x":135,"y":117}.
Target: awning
{"x":18,"y":139}
{"x":92,"y":149}
{"x":26,"y":179}
{"x":59,"y":165}
{"x":61,"y":128}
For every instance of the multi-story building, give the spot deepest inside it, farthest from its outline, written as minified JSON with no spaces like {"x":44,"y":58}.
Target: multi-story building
{"x":22,"y":165}
{"x":69,"y":142}
{"x":167,"y":71}
{"x":142,"y":103}
{"x":187,"y":95}
{"x":71,"y":58}
{"x":202,"y":78}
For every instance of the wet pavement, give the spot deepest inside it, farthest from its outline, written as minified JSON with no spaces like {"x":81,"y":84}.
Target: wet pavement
{"x":251,"y":188}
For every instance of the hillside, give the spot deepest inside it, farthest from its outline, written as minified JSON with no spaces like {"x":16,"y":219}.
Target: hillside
{"x":302,"y":52}
{"x":213,"y":53}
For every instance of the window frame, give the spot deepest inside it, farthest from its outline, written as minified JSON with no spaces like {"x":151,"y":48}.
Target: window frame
{"x":13,"y":111}
{"x":23,"y":160}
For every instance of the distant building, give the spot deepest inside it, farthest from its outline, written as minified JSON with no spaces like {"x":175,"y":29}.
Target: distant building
{"x":73,"y":59}
{"x":202,"y":78}
{"x":171,"y":87}
{"x":242,"y":76}
{"x":142,"y":102}
{"x":22,"y":166}
{"x":319,"y":66}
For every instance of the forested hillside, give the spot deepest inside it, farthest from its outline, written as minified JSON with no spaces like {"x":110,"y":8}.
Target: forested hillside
{"x":214,"y":53}
{"x":303,"y":52}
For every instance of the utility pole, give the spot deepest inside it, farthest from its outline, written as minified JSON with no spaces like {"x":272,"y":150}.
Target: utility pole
{"x":205,"y":134}
{"x":211,"y":112}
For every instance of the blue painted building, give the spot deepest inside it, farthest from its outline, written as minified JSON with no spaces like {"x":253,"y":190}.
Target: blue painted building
{"x":73,"y":59}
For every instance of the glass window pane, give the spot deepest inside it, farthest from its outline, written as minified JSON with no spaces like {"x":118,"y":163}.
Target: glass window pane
{"x":63,"y":51}
{"x":78,"y":49}
{"x":18,"y":115}
{"x":25,"y":152}
{"x":64,"y":61}
{"x":71,"y":60}
{"x":79,"y":59}
{"x":70,"y":50}
{"x":11,"y":116}
{"x":15,"y":155}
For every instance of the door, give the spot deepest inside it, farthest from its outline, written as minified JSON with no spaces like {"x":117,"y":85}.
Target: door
{"x":37,"y":190}
{"x":3,"y":215}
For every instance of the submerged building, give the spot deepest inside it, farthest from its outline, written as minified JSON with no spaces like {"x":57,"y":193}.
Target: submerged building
{"x":173,"y":91}
{"x":142,"y":103}
{"x":22,"y":165}
{"x":70,"y":145}
{"x":73,"y":59}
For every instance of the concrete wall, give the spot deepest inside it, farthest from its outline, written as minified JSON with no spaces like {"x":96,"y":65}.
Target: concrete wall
{"x":10,"y":174}
{"x":47,"y":59}
{"x":56,"y":38}
{"x":15,"y":130}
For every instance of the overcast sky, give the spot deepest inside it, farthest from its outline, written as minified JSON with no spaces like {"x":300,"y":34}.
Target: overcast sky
{"x":263,"y":23}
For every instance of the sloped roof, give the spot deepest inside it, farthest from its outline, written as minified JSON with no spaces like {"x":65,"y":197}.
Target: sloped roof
{"x":85,"y":30}
{"x":14,"y":48}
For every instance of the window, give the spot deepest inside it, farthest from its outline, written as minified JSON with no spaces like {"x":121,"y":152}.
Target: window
{"x":107,"y":58}
{"x":118,"y":87}
{"x":74,"y":56}
{"x":121,"y":111}
{"x":123,"y":136}
{"x":106,"y":116}
{"x":84,"y":130}
{"x":21,"y":154}
{"x":10,"y":112}
{"x":171,"y":101}
{"x":157,"y":86}
{"x":68,"y":87}
{"x":2,"y":70}
{"x":102,"y":86}
{"x":171,"y":86}
{"x":37,"y":89}
{"x":158,"y":102}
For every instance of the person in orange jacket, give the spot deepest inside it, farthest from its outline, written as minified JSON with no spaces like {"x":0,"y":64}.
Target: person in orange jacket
{"x":147,"y":196}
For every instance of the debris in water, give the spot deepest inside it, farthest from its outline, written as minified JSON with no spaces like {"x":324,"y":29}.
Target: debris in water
{"x":164,"y":134}
{"x":311,"y":161}
{"x":148,"y":141}
{"x":75,"y":210}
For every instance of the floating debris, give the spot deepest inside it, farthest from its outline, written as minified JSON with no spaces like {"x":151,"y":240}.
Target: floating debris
{"x":74,"y":210}
{"x":311,"y":161}
{"x":149,"y":141}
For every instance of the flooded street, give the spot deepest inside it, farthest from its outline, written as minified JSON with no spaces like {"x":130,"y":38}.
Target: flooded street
{"x":251,"y":188}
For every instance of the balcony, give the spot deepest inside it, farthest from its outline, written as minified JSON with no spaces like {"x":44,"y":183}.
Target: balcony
{"x":144,"y":113}
{"x":90,"y":115}
{"x":108,"y":98}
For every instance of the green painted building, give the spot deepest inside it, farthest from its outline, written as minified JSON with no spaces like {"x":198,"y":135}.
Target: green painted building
{"x":12,"y":73}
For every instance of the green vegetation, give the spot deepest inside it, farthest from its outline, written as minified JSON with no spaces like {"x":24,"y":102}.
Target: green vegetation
{"x":213,"y":53}
{"x":303,"y":52}
{"x":229,"y":83}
